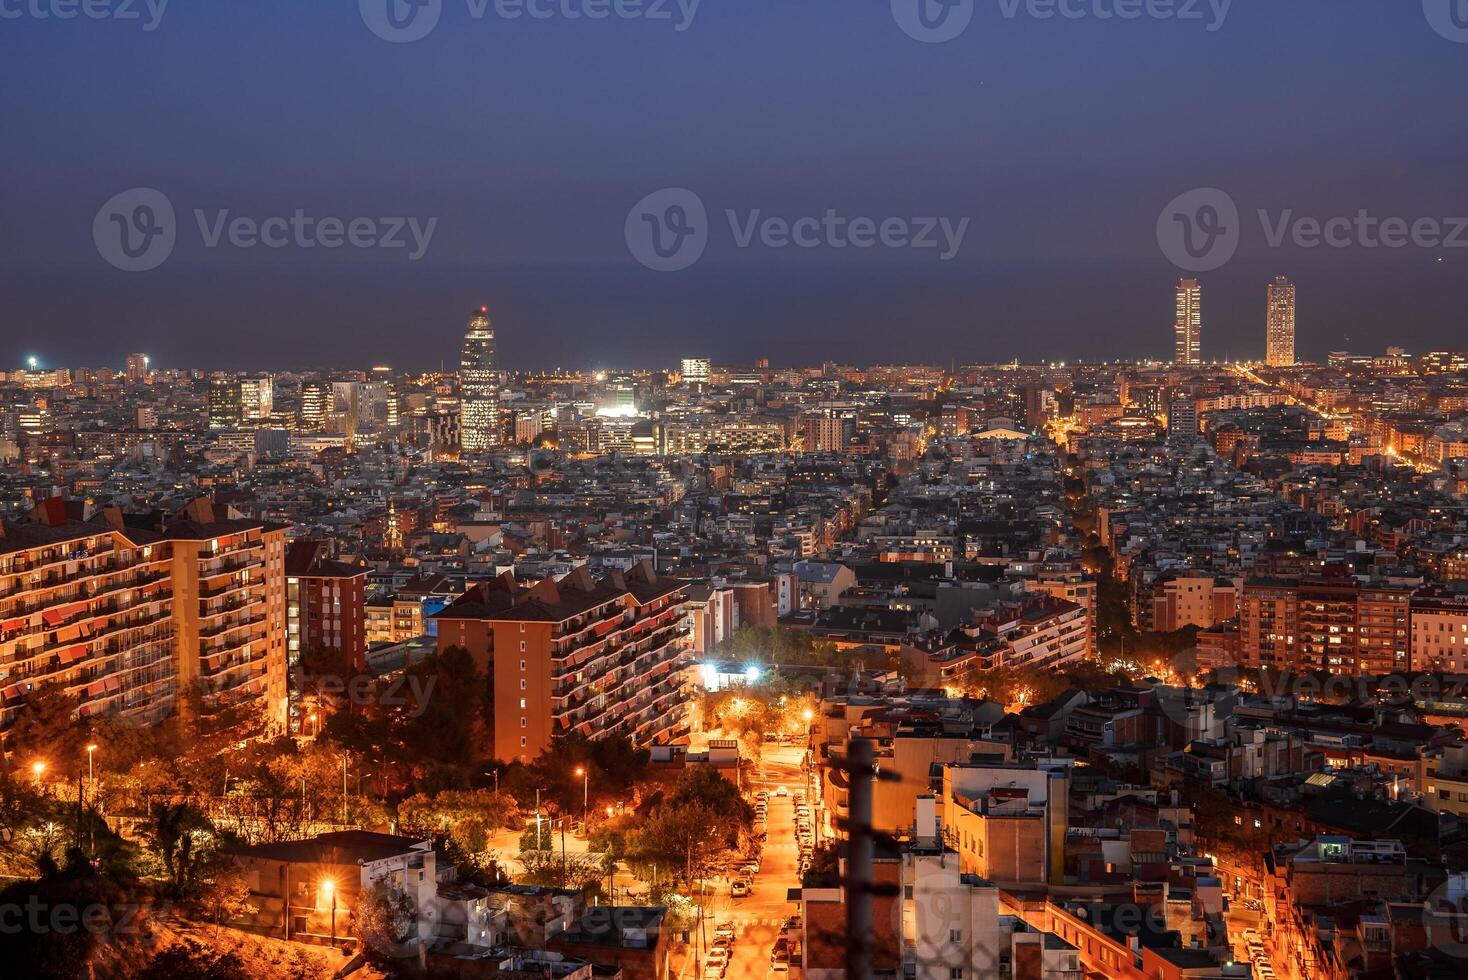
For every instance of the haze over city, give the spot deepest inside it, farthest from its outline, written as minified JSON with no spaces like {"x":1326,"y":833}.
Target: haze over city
{"x":529,"y":139}
{"x":697,"y":490}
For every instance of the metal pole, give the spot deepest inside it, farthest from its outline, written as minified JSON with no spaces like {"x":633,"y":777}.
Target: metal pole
{"x":862,"y":763}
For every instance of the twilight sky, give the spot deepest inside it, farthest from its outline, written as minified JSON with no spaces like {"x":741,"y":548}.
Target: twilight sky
{"x":530,"y":140}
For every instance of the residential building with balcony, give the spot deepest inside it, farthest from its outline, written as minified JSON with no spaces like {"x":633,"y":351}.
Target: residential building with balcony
{"x":128,"y":615}
{"x":596,"y":657}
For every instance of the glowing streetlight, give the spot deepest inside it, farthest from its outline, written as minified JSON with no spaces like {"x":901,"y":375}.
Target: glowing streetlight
{"x":38,"y":769}
{"x":585,"y":792}
{"x":33,"y":362}
{"x":329,"y":887}
{"x":91,"y":772}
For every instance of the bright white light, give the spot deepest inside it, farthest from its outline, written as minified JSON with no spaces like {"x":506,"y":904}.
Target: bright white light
{"x":33,"y":362}
{"x":752,"y":674}
{"x":617,"y":412}
{"x":710,"y":677}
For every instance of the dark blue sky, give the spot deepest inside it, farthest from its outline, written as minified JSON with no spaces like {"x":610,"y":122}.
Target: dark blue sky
{"x":530,"y":141}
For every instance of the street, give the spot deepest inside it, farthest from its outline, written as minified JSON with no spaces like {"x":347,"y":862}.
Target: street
{"x":757,"y":918}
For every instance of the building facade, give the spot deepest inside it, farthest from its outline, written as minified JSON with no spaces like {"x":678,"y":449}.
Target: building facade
{"x":1188,"y":327}
{"x":142,"y":621}
{"x":1280,"y":326}
{"x":479,"y":415}
{"x":596,"y":657}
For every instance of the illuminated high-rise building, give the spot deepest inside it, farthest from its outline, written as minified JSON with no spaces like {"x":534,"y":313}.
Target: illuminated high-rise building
{"x":224,"y":403}
{"x":137,"y":367}
{"x":316,"y":404}
{"x":257,"y":399}
{"x":696,"y":370}
{"x":479,"y":412}
{"x":1280,"y":329}
{"x":1188,"y":328}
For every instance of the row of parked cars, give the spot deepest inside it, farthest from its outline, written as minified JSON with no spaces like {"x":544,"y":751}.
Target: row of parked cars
{"x":1263,"y":968}
{"x":787,"y":948}
{"x":804,"y":831}
{"x":716,"y":963}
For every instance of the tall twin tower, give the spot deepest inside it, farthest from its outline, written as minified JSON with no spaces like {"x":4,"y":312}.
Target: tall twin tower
{"x":479,"y":387}
{"x":1279,"y":331}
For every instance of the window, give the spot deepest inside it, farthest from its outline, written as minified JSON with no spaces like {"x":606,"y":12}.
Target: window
{"x":522,"y":663}
{"x":524,"y":723}
{"x":955,"y":935}
{"x":522,"y":704}
{"x":955,"y":973}
{"x":522,"y":649}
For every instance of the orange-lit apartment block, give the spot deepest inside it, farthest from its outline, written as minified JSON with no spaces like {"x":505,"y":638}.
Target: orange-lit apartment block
{"x":579,"y":655}
{"x":128,"y":619}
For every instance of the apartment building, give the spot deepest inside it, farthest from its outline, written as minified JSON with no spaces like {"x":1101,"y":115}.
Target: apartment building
{"x":325,"y":603}
{"x":128,"y":617}
{"x":1192,"y":599}
{"x":1439,"y":618}
{"x":598,"y":657}
{"x":1008,"y":821}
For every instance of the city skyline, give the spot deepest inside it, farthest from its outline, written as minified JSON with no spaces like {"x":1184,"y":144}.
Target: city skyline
{"x":533,"y":199}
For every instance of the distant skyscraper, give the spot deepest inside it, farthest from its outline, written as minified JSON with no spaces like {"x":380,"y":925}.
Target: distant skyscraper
{"x":224,"y":403}
{"x":1280,"y":330}
{"x":316,"y":404}
{"x":137,"y":367}
{"x":1189,"y":325}
{"x":257,"y":399}
{"x":695,"y":370}
{"x":479,"y":412}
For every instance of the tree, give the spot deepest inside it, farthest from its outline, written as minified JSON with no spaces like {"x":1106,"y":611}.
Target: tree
{"x":537,"y":840}
{"x":384,"y":917}
{"x":179,"y":835}
{"x":690,"y":836}
{"x":583,"y":872}
{"x":47,"y":728}
{"x":223,"y":892}
{"x":189,"y":960}
{"x":468,"y":818}
{"x":704,"y":787}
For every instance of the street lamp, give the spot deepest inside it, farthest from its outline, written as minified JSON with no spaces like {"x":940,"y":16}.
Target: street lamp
{"x":329,"y":887}
{"x":585,"y":793}
{"x":38,"y":769}
{"x":91,"y":772}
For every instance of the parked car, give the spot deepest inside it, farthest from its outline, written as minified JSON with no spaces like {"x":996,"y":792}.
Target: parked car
{"x":739,"y":889}
{"x":724,"y":930}
{"x":781,"y":791}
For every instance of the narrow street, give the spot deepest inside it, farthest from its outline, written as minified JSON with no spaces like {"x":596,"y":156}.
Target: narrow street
{"x":757,"y":918}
